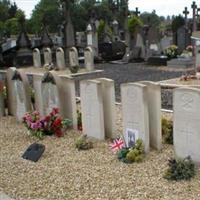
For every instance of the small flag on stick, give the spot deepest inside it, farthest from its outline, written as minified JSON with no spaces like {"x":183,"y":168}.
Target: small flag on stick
{"x":116,"y":145}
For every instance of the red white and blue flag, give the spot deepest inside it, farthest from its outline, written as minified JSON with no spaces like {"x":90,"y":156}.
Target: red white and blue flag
{"x":116,"y":145}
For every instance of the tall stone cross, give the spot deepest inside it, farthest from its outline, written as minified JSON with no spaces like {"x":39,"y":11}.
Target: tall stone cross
{"x":186,"y":12}
{"x":137,"y":12}
{"x":194,"y":7}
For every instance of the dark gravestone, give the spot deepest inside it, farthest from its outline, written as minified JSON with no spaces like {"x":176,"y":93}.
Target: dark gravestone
{"x":34,"y":152}
{"x":183,"y":38}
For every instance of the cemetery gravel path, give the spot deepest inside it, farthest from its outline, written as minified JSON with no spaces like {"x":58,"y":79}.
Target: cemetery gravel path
{"x":133,"y":72}
{"x":64,"y":173}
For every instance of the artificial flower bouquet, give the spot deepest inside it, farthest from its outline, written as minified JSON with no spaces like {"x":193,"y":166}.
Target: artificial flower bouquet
{"x":51,"y":124}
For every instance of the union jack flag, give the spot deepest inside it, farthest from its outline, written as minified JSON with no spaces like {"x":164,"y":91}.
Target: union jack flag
{"x":116,"y":145}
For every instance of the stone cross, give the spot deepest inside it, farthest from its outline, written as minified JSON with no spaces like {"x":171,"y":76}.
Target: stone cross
{"x":137,"y":12}
{"x":186,"y":12}
{"x":194,"y":7}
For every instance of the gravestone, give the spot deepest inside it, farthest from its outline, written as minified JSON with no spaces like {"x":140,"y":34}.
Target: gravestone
{"x":92,"y":108}
{"x":37,"y":85}
{"x":135,"y":111}
{"x":67,"y":97}
{"x":186,"y":123}
{"x":73,"y":57}
{"x":183,"y":38}
{"x":108,"y":92}
{"x":60,"y":58}
{"x":154,"y":107}
{"x":165,"y":43}
{"x":21,"y":100}
{"x":2,"y":105}
{"x":89,"y":58}
{"x":50,"y":95}
{"x":10,"y":90}
{"x":36,"y":58}
{"x":197,"y":56}
{"x":47,"y":56}
{"x":140,"y":43}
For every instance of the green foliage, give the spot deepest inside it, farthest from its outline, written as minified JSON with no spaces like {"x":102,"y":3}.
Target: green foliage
{"x":66,"y":123}
{"x":83,"y":143}
{"x":167,"y":130}
{"x":177,"y":22}
{"x":79,"y":118}
{"x":74,"y":69}
{"x":134,"y":154}
{"x":180,"y":169}
{"x":151,"y":19}
{"x":48,"y":10}
{"x":133,"y":23}
{"x":101,"y":27}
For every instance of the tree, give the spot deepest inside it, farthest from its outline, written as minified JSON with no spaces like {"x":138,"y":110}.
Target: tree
{"x":177,"y":22}
{"x":48,"y":10}
{"x":151,"y":19}
{"x":133,"y":23}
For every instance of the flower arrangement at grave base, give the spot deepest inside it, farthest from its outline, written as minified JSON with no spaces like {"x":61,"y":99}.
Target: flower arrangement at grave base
{"x":188,"y":77}
{"x":198,"y":72}
{"x":167,"y":131}
{"x":52,"y":124}
{"x":189,"y":48}
{"x":74,"y":69}
{"x":79,"y":120}
{"x":180,"y":169}
{"x":83,"y":143}
{"x":128,"y":155}
{"x":171,"y":51}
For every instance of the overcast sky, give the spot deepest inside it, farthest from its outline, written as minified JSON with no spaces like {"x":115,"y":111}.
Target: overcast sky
{"x":162,"y":7}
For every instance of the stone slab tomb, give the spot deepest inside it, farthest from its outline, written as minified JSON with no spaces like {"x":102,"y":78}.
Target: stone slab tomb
{"x":154,"y":107}
{"x":60,"y":58}
{"x":89,"y":58}
{"x":36,"y":58}
{"x":92,"y":108}
{"x":135,"y":112}
{"x":186,"y":123}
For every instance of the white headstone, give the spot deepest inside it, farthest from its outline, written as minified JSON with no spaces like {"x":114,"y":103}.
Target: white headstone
{"x":154,"y":107}
{"x":50,"y":95}
{"x":60,"y":58}
{"x":108,"y":92}
{"x":73,"y":57}
{"x":135,"y":111}
{"x":67,"y":97}
{"x":47,"y":56}
{"x":37,"y":85}
{"x":2,"y":105}
{"x":36,"y":58}
{"x":21,"y":100}
{"x":92,"y":108}
{"x":186,"y":123}
{"x":10,"y":90}
{"x":89,"y":58}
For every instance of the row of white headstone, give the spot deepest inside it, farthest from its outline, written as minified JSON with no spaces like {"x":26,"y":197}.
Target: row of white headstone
{"x":141,"y":108}
{"x":60,"y":58}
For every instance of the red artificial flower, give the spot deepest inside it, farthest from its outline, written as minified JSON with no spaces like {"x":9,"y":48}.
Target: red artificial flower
{"x":57,"y":122}
{"x":59,"y":133}
{"x":47,"y":118}
{"x":55,"y":111}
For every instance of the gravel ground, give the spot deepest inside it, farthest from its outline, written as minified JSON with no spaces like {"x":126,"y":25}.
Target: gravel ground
{"x":133,"y":72}
{"x":63,"y":173}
